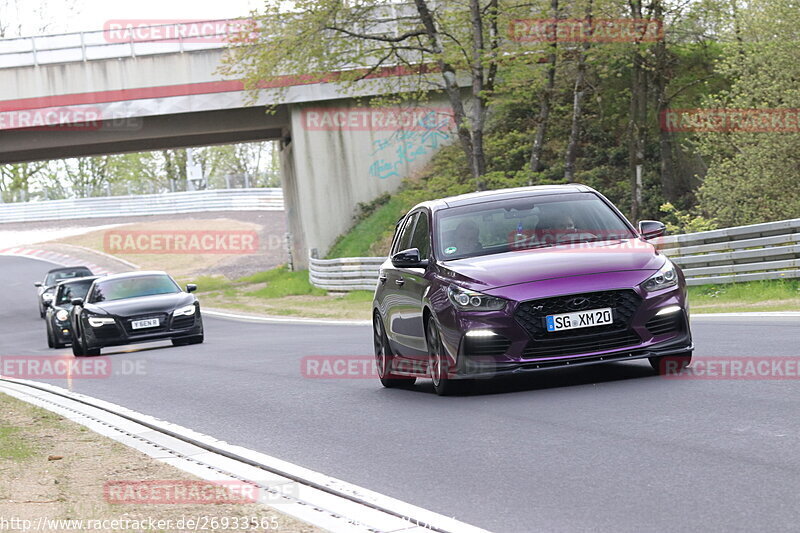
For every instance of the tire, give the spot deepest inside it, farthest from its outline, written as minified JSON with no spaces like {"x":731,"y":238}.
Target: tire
{"x":384,"y":357}
{"x":50,"y":341}
{"x":77,"y":347}
{"x":671,"y":364}
{"x":197,"y":339}
{"x":438,"y":364}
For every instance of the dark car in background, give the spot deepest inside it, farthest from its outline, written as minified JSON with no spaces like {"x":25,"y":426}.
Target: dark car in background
{"x":517,"y":280}
{"x":59,"y":330}
{"x":45,"y":288}
{"x":135,"y":307}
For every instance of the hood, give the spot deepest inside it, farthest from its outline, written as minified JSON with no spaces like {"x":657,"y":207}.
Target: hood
{"x":524,"y":266}
{"x":159,"y":303}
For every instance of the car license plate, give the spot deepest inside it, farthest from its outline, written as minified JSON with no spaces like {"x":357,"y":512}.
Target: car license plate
{"x":579,"y":319}
{"x":141,"y":324}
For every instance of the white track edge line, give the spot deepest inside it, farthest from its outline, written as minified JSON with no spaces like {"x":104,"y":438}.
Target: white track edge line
{"x":416,"y":514}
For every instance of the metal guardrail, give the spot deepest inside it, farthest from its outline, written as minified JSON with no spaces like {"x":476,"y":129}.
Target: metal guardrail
{"x":345,"y":273}
{"x":743,"y":253}
{"x":149,"y":204}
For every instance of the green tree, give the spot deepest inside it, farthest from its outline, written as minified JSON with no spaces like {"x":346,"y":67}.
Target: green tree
{"x":753,"y":167}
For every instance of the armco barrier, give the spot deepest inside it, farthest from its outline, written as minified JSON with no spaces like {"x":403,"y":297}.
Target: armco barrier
{"x":147,"y":204}
{"x":345,"y":274}
{"x":744,"y":253}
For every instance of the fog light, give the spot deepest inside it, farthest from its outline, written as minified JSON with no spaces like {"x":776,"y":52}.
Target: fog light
{"x":480,"y":333}
{"x":669,"y":310}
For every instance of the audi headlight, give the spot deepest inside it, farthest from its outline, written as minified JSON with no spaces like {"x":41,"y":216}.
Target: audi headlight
{"x":467,"y":300}
{"x":188,"y":310}
{"x":47,"y":296}
{"x":98,"y":321}
{"x":666,"y":277}
{"x":62,"y":315}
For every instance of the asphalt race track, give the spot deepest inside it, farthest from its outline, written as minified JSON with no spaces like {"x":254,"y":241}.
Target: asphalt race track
{"x":604,"y":448}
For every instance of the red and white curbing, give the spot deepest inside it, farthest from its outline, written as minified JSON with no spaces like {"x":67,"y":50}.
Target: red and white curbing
{"x":53,"y":257}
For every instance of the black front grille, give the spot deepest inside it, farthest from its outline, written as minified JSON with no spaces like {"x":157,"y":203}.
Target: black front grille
{"x":595,"y":342}
{"x":531,"y":316}
{"x":162,"y":323}
{"x":182,"y":322}
{"x":659,"y":325}
{"x":494,"y":345}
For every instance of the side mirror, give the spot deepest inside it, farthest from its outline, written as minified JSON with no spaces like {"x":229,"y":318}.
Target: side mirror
{"x":191,"y":287}
{"x":650,"y":229}
{"x":76,"y":301}
{"x":37,"y":284}
{"x":409,"y":259}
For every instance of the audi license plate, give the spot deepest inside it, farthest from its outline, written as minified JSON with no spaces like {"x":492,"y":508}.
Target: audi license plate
{"x":579,"y":319}
{"x":141,"y":324}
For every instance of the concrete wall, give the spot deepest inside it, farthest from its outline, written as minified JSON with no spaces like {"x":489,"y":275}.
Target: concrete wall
{"x":345,"y":154}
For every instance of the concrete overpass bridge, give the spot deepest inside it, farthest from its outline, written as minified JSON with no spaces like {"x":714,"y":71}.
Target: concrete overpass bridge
{"x":92,"y":93}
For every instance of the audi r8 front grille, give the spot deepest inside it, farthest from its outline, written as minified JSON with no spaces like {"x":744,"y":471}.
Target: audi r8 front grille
{"x":182,"y":322}
{"x":162,"y":323}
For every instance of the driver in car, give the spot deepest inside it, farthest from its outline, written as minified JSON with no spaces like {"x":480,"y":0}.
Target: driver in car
{"x":467,"y":237}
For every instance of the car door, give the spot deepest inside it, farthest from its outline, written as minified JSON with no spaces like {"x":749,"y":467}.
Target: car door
{"x":411,"y":284}
{"x":392,"y":300}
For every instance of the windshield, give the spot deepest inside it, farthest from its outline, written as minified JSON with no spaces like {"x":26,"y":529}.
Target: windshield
{"x":54,"y":277}
{"x":523,"y":223}
{"x":68,"y":291}
{"x":120,"y":289}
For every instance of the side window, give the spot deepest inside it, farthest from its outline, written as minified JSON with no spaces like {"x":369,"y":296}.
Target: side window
{"x":421,"y":238}
{"x":404,"y":239}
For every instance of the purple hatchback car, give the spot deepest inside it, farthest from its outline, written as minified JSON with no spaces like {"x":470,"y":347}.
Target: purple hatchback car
{"x":518,"y":280}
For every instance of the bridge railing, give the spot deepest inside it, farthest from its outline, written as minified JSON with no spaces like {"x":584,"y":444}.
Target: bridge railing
{"x":743,"y":253}
{"x":118,"y":39}
{"x":265,"y":199}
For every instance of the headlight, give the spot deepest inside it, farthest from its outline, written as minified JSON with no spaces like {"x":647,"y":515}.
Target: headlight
{"x":97,"y":321}
{"x":47,"y":296}
{"x":62,"y":315}
{"x":666,"y":277}
{"x":185,"y":311}
{"x":467,"y":300}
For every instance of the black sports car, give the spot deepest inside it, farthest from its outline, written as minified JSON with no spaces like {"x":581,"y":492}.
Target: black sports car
{"x":135,"y":307}
{"x":59,"y":331}
{"x":45,"y":289}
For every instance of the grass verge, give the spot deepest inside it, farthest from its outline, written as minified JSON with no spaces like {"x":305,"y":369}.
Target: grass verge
{"x":54,"y":471}
{"x":766,"y":295}
{"x":281,"y":292}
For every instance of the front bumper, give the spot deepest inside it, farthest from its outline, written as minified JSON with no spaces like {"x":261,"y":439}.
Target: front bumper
{"x":62,"y":331}
{"x":481,"y":367}
{"x":516,"y":346}
{"x":118,"y":334}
